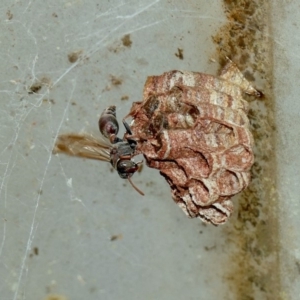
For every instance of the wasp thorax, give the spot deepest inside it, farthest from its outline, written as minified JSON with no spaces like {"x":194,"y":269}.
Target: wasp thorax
{"x":108,"y":123}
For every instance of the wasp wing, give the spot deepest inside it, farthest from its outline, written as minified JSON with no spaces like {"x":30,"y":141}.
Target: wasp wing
{"x":83,"y":145}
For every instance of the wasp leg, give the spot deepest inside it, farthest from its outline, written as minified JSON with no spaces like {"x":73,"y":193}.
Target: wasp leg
{"x":131,"y":141}
{"x":127,"y":127}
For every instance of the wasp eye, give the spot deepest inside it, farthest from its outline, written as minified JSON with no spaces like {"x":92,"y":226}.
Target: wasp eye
{"x":108,"y":123}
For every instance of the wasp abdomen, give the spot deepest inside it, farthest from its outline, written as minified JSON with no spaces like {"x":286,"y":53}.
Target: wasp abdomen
{"x":108,"y":123}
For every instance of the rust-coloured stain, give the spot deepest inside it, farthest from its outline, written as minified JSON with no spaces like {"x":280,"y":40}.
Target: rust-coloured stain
{"x":193,"y":127}
{"x":253,"y":268}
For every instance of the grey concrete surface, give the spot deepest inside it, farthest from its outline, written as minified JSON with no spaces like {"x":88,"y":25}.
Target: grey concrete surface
{"x":71,"y":227}
{"x":286,"y":91}
{"x":59,"y":214}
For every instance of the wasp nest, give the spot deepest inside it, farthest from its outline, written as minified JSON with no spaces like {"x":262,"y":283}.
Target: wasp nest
{"x":194,"y":128}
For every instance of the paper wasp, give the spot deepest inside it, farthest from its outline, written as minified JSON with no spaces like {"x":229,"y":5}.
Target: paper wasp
{"x":119,"y":152}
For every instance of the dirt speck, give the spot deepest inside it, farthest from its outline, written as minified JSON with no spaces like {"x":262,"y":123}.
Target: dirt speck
{"x":37,"y":86}
{"x":124,"y":98}
{"x":179,"y":53}
{"x":73,"y":56}
{"x":35,"y":251}
{"x":55,"y":297}
{"x":54,"y":15}
{"x":9,"y":15}
{"x":206,"y":248}
{"x":126,"y":40}
{"x":51,"y":101}
{"x":116,"y":237}
{"x":115,"y":80}
{"x":298,"y":266}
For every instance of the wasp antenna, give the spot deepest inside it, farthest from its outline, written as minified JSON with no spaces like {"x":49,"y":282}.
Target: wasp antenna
{"x":135,"y":187}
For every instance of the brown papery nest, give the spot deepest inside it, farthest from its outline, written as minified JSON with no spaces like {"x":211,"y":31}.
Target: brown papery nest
{"x":194,"y":128}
